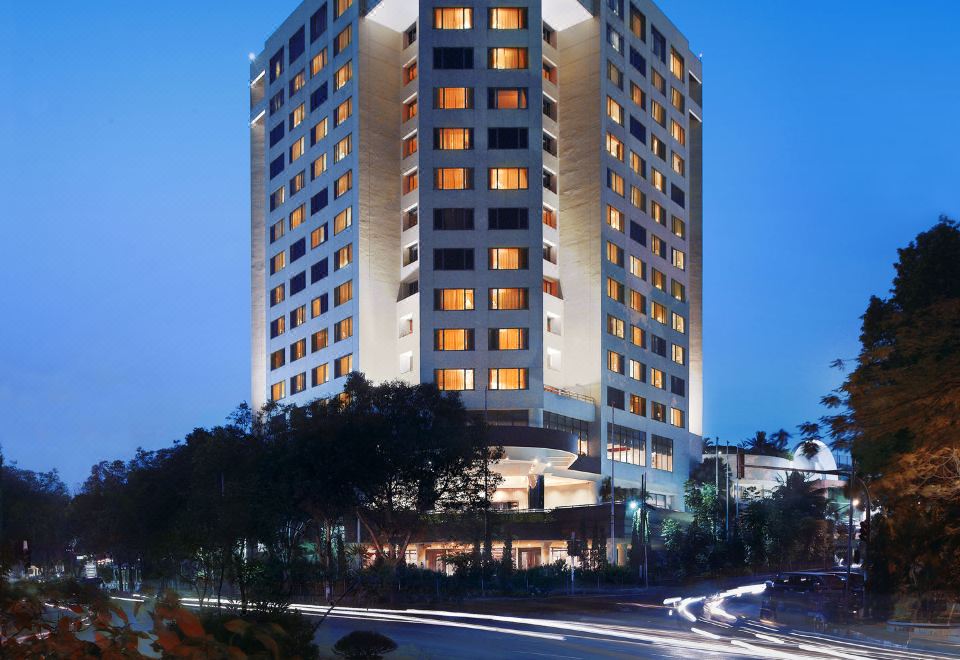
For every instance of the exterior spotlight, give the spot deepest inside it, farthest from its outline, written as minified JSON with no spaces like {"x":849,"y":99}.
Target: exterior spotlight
{"x":633,"y":505}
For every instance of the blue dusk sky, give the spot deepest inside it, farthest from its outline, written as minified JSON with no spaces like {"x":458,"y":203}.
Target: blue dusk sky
{"x":830,"y":140}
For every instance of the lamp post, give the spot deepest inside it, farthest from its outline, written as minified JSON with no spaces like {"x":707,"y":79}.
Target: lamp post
{"x":613,"y":498}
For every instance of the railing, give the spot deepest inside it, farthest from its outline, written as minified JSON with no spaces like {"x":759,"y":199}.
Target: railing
{"x":569,"y":394}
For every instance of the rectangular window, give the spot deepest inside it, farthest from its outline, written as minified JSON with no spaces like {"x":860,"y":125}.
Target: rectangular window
{"x":453,"y":58}
{"x":614,"y":111}
{"x":638,"y":302}
{"x":507,"y":58}
{"x":453,"y":219}
{"x":343,"y":293}
{"x":658,"y":312}
{"x":507,"y":339}
{"x":508,"y":178}
{"x":615,"y":326}
{"x":678,"y":227}
{"x":276,"y":231}
{"x":659,"y":215}
{"x":342,"y":148}
{"x":453,"y":339}
{"x":453,"y":18}
{"x":298,"y":316}
{"x":343,"y":257}
{"x":638,"y":23}
{"x":615,"y":146}
{"x":676,"y":99}
{"x":507,"y":379}
{"x":298,"y":282}
{"x":615,"y":182}
{"x":318,"y":271}
{"x":676,"y":64}
{"x":278,"y":326}
{"x":277,"y":359}
{"x":658,"y":147}
{"x":508,"y":218}
{"x":450,"y":300}
{"x":320,"y":375}
{"x":341,"y":6}
{"x":343,"y":112}
{"x":342,"y":41}
{"x":658,"y":279}
{"x":678,"y":164}
{"x":453,"y":379}
{"x":658,"y":179}
{"x":318,"y":236}
{"x":638,"y":336}
{"x":615,"y":290}
{"x":278,"y":197}
{"x":297,"y":183}
{"x":318,"y":132}
{"x":452,"y":139}
{"x":453,"y":178}
{"x":453,"y":259}
{"x":343,"y":220}
{"x":678,"y":258}
{"x":508,"y":299}
{"x":278,"y":391}
{"x":342,"y":76}
{"x":657,"y":378}
{"x":615,"y":218}
{"x":678,"y":291}
{"x":507,"y":98}
{"x":637,"y":370}
{"x":343,"y":329}
{"x":661,"y":453}
{"x":278,"y":262}
{"x":658,"y":113}
{"x":318,"y":62}
{"x":277,"y":295}
{"x":318,"y":23}
{"x":298,"y":249}
{"x":638,"y":405}
{"x":297,"y":149}
{"x":343,"y":366}
{"x":453,"y":98}
{"x":507,"y":138}
{"x":614,"y":74}
{"x":677,"y":132}
{"x":318,"y":306}
{"x":626,"y":445}
{"x":298,"y":350}
{"x":507,"y":258}
{"x":678,"y":354}
{"x":615,"y":398}
{"x":343,"y":184}
{"x":410,"y":146}
{"x":679,"y":323}
{"x":319,"y":340}
{"x":507,"y":18}
{"x":614,"y":254}
{"x":638,"y":96}
{"x":615,"y":39}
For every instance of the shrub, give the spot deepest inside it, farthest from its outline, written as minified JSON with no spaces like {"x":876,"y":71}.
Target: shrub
{"x":364,"y":645}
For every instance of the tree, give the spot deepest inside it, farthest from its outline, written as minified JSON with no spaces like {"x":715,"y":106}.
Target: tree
{"x":33,"y":511}
{"x":898,"y":410}
{"x":773,"y":445}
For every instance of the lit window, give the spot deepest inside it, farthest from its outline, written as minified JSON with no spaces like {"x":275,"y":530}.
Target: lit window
{"x":453,"y":138}
{"x":658,"y":213}
{"x":505,"y":299}
{"x":318,"y":306}
{"x":677,"y":132}
{"x":615,"y":146}
{"x":453,"y":178}
{"x":297,"y":116}
{"x":318,"y":236}
{"x":409,"y":110}
{"x":453,"y":299}
{"x":320,"y":375}
{"x":638,"y":96}
{"x":343,"y":257}
{"x":298,"y":350}
{"x":343,"y":329}
{"x":277,"y":295}
{"x":638,"y":268}
{"x":658,"y":279}
{"x":615,"y":111}
{"x":343,"y":111}
{"x":658,"y":81}
{"x":615,"y":290}
{"x":343,"y":220}
{"x":278,"y":391}
{"x":638,"y":198}
{"x":638,"y":302}
{"x":343,"y":293}
{"x":278,"y":262}
{"x":614,"y":74}
{"x":615,"y":326}
{"x":342,"y":148}
{"x":507,"y":58}
{"x":343,"y":40}
{"x":342,"y":366}
{"x":410,"y":146}
{"x":453,"y":18}
{"x":614,"y":254}
{"x":657,"y":378}
{"x":678,"y":165}
{"x":319,"y":340}
{"x":297,"y":183}
{"x":615,"y":182}
{"x":298,"y":316}
{"x":319,"y":131}
{"x":453,"y":98}
{"x":508,"y":18}
{"x":638,"y":165}
{"x":507,"y":339}
{"x":615,"y":362}
{"x":676,"y":64}
{"x":297,"y":217}
{"x":658,"y":147}
{"x":507,"y":258}
{"x":678,"y":258}
{"x":658,"y":180}
{"x":638,"y":405}
{"x":298,"y":383}
{"x":678,"y":291}
{"x":342,"y":76}
{"x":453,"y":339}
{"x":508,"y":98}
{"x":318,"y":62}
{"x":453,"y":379}
{"x":278,"y":197}
{"x":410,"y":182}
{"x":340,"y":6}
{"x":318,"y":167}
{"x":277,"y":359}
{"x":658,"y":312}
{"x":507,"y":379}
{"x":276,"y":231}
{"x":615,"y":218}
{"x":676,"y":99}
{"x":638,"y":336}
{"x":343,"y":184}
{"x":679,"y":323}
{"x":636,"y":370}
{"x":678,"y":227}
{"x":508,"y":178}
{"x":679,"y":354}
{"x":297,"y":149}
{"x":658,"y":113}
{"x":661,"y":453}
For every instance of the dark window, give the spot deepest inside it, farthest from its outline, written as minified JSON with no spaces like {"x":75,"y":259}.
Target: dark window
{"x":318,"y":23}
{"x":276,"y":166}
{"x":298,"y":282}
{"x":616,"y":6}
{"x":298,"y":249}
{"x":615,"y":397}
{"x":318,"y":271}
{"x":637,"y":61}
{"x":276,"y":65}
{"x":507,"y":138}
{"x":276,"y":134}
{"x":452,"y":219}
{"x":318,"y":201}
{"x":658,"y":345}
{"x":637,"y":129}
{"x":659,"y":45}
{"x":550,"y":144}
{"x":509,"y":218}
{"x":296,"y":45}
{"x":638,"y":233}
{"x":318,"y":97}
{"x":452,"y":58}
{"x":453,"y":259}
{"x":677,"y":195}
{"x":678,"y":386}
{"x":276,"y":102}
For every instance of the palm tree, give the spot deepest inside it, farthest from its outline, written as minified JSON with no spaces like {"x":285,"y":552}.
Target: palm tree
{"x":761,"y":444}
{"x":780,"y":440}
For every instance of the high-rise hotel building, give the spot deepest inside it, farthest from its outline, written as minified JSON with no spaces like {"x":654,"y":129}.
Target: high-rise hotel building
{"x":502,"y":197}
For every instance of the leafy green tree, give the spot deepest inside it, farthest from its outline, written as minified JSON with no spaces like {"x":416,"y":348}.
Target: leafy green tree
{"x":33,"y":510}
